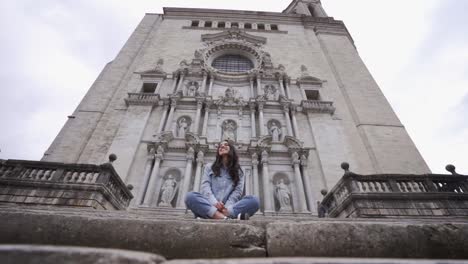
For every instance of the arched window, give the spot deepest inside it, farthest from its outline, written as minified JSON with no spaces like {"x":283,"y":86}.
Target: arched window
{"x":232,"y":63}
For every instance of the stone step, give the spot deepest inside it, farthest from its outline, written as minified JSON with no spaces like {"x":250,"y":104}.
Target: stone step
{"x":32,"y":254}
{"x":190,"y":238}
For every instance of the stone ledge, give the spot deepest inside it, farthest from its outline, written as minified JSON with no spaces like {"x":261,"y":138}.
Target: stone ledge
{"x":410,"y":239}
{"x":314,"y":261}
{"x":29,"y":254}
{"x":189,"y":238}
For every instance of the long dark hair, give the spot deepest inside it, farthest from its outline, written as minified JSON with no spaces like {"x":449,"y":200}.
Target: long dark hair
{"x":233,"y":166}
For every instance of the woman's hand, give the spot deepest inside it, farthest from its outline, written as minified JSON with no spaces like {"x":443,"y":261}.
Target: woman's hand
{"x":219,"y":206}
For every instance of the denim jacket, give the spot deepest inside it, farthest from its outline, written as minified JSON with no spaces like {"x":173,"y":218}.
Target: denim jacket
{"x":221,"y":189}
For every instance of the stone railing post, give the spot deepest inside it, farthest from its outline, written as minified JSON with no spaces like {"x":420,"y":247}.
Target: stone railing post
{"x":187,"y":177}
{"x":198,"y":172}
{"x":152,"y":185}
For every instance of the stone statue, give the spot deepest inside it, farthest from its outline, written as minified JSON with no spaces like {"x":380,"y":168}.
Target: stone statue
{"x":168,"y":191}
{"x":304,"y":71}
{"x":198,"y":55}
{"x":283,"y":195}
{"x":275,"y":131}
{"x":229,"y":93}
{"x":182,"y":127}
{"x":192,"y":89}
{"x":229,"y":130}
{"x":159,"y":65}
{"x":270,"y":92}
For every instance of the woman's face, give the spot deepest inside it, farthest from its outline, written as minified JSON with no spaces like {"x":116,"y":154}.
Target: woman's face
{"x":223,"y":148}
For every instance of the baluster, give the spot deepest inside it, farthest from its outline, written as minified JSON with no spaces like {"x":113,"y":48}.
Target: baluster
{"x":39,"y":174}
{"x":371,"y":186}
{"x":46,"y":175}
{"x":364,"y":187}
{"x":68,"y":176}
{"x":95,"y":177}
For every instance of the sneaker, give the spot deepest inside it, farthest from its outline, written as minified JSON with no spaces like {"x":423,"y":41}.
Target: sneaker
{"x":243,"y":216}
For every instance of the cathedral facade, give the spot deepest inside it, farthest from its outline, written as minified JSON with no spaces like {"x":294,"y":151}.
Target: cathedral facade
{"x":289,"y":89}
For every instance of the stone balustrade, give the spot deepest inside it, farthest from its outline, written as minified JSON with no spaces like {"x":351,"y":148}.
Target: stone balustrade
{"x":142,"y":99}
{"x":316,"y":106}
{"x":397,"y":195}
{"x":49,"y":183}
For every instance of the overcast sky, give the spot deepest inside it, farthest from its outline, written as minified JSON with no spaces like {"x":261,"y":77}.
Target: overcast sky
{"x":52,"y":51}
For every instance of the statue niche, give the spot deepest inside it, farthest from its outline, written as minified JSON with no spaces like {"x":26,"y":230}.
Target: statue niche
{"x":270,"y":92}
{"x":229,"y":130}
{"x":274,"y":129}
{"x":191,"y":89}
{"x":282,"y":193}
{"x":183,"y":126}
{"x":168,"y":191}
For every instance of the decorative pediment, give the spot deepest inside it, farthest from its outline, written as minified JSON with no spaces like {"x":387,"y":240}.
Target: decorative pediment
{"x":155,"y":72}
{"x":235,"y":34}
{"x":306,"y":78}
{"x":292,"y":142}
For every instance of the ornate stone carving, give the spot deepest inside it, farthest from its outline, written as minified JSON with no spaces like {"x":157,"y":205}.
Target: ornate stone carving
{"x":274,"y":129}
{"x":200,"y":157}
{"x":230,"y":99}
{"x":229,"y":130}
{"x":255,"y":159}
{"x":168,"y":191}
{"x":295,"y":158}
{"x":264,"y":156}
{"x":283,"y":196}
{"x":190,"y":153}
{"x":183,"y":126}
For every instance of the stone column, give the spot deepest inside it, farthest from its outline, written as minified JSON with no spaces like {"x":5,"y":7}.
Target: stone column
{"x":146,"y":176}
{"x":288,"y":92}
{"x":163,"y":119}
{"x":256,"y":185}
{"x":203,"y":86}
{"x":181,"y":82}
{"x":210,"y":90}
{"x":252,"y":120}
{"x":301,"y":205}
{"x":207,"y":116}
{"x":294,"y":122}
{"x":267,"y":197}
{"x":307,"y":185}
{"x":280,"y":80}
{"x":259,"y":85}
{"x":151,"y":190}
{"x":198,"y":172}
{"x":252,"y":93}
{"x":260,"y":119}
{"x":171,"y":115}
{"x":197,"y":117}
{"x":188,"y":174}
{"x":288,"y":119}
{"x":174,"y":83}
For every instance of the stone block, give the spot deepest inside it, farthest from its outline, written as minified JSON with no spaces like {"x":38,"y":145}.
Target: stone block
{"x":32,"y":254}
{"x":170,"y":238}
{"x":367,"y":239}
{"x":313,"y":261}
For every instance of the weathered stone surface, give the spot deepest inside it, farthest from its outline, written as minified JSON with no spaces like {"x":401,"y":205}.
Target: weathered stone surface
{"x":368,"y":239}
{"x":312,"y":261}
{"x":169,"y":238}
{"x":32,"y":254}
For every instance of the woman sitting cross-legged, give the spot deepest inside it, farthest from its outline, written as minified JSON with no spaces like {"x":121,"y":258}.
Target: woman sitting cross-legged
{"x":221,"y":189}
